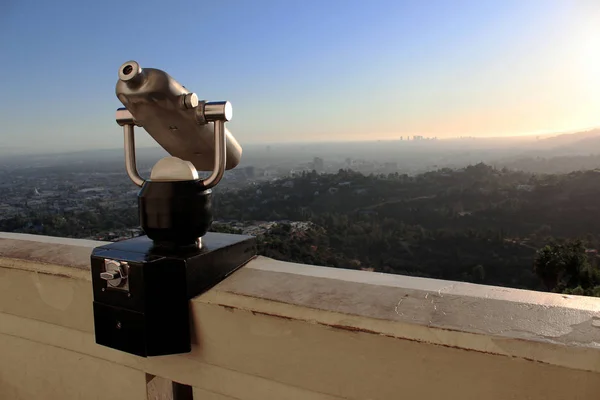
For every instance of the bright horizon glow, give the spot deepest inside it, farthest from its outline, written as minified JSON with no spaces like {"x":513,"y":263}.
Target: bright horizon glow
{"x":306,"y":72}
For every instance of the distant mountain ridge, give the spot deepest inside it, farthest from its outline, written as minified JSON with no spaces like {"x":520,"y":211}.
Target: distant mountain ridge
{"x":571,"y":139}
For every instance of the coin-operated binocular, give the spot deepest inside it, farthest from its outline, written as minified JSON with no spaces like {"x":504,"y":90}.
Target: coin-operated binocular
{"x":142,"y":286}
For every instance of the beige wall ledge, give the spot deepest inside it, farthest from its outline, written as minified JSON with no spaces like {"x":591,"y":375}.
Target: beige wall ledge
{"x":283,"y":330}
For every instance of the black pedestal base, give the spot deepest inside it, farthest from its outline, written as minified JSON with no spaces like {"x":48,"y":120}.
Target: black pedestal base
{"x":150,"y":315}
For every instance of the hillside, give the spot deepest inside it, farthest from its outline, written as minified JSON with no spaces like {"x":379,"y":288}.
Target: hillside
{"x":576,"y":139}
{"x":477,"y":224}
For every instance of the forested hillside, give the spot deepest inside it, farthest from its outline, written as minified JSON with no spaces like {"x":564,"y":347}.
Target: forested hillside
{"x":476,"y":224}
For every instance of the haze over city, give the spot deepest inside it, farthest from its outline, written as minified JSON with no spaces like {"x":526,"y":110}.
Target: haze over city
{"x":305,"y":72}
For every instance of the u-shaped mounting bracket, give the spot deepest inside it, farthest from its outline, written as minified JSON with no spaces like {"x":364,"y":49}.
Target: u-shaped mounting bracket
{"x":217,"y":112}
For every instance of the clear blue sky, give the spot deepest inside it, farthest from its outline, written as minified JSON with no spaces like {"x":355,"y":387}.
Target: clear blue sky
{"x":305,"y":70}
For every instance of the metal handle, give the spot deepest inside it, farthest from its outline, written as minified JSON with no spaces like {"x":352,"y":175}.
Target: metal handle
{"x":115,"y":274}
{"x":110,"y":275}
{"x":126,"y":120}
{"x":218,"y":112}
{"x":130,"y":163}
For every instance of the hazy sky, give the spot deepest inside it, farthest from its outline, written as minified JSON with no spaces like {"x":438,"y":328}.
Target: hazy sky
{"x":305,"y":70}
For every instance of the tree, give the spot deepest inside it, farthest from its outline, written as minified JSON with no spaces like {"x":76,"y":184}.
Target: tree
{"x":563,"y":266}
{"x":479,"y":273}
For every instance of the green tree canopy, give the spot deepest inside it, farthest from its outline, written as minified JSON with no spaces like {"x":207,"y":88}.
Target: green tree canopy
{"x":565,"y":265}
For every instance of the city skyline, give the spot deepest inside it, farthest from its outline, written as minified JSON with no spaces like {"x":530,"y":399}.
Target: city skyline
{"x":331,"y":71}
